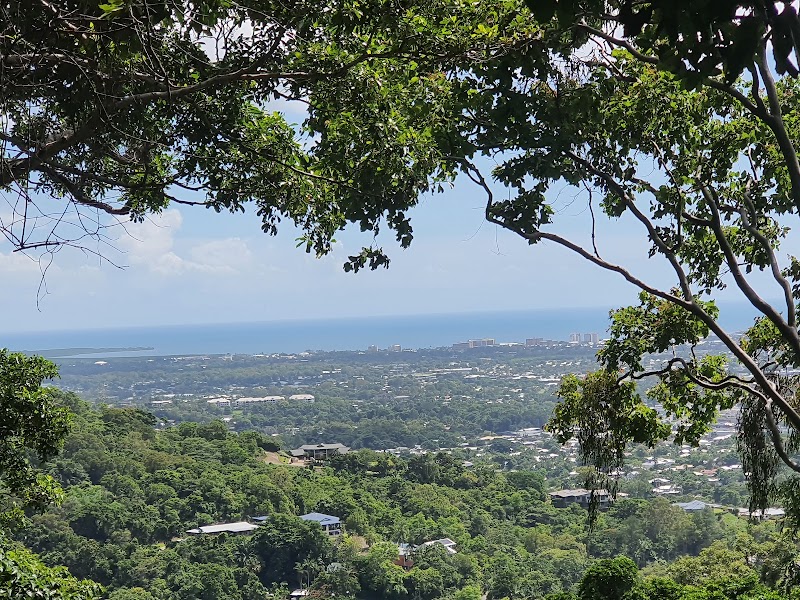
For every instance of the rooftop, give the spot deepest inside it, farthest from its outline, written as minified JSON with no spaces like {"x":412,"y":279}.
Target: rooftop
{"x":577,"y":492}
{"x":693,"y":505}
{"x":321,"y":518}
{"x":238,"y":527}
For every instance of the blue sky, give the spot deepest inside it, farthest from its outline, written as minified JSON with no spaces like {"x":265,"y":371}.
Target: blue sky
{"x":191,"y":265}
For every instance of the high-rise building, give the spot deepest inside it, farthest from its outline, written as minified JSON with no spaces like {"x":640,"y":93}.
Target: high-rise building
{"x":575,"y":338}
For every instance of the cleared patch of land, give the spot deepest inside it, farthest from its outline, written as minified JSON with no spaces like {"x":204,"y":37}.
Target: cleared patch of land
{"x":276,"y":458}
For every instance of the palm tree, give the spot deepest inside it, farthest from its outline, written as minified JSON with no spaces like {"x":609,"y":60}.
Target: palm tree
{"x":245,"y":558}
{"x":309,"y":568}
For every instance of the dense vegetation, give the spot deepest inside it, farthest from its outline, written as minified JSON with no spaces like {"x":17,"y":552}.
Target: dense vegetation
{"x":131,"y":492}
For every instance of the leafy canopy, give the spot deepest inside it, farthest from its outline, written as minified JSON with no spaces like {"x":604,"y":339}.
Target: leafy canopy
{"x":32,"y":424}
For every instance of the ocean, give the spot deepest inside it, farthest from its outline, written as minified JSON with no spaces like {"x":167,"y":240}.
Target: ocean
{"x":410,"y":331}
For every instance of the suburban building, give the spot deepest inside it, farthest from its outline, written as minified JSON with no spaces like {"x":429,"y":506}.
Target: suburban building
{"x":692,"y":506}
{"x":236,"y":528}
{"x":301,"y":398}
{"x":219,"y":402}
{"x":330,"y":524}
{"x":564,"y":498}
{"x":405,"y":555}
{"x":482,"y":343}
{"x":253,"y":400}
{"x":319,"y":451}
{"x":759,"y":515}
{"x":405,"y":552}
{"x":447,"y":543}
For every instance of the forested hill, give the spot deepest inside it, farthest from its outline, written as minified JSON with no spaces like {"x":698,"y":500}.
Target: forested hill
{"x":131,"y":494}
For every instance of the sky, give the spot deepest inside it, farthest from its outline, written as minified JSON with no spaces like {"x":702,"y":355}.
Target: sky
{"x":191,"y":265}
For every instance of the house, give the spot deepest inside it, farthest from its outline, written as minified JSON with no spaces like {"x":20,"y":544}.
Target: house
{"x":563,"y":498}
{"x":251,"y":400}
{"x":405,"y":555}
{"x":668,"y":489}
{"x":219,"y":402}
{"x":330,"y":524}
{"x":447,"y":543}
{"x":767,"y":513}
{"x":319,"y":451}
{"x":405,"y":552}
{"x":301,"y":398}
{"x":236,"y":528}
{"x":692,"y":506}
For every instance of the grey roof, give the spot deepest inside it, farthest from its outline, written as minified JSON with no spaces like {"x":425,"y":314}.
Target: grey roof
{"x":321,"y":518}
{"x":238,"y":527}
{"x":446,"y":542}
{"x":693,"y":505}
{"x":323,"y":447}
{"x":577,"y":492}
{"x":442,"y":541}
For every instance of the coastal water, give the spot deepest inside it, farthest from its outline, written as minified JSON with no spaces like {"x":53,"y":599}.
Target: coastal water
{"x":417,"y":331}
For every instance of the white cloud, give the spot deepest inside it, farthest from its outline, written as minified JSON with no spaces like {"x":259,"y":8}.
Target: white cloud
{"x":227,"y":255}
{"x":152,"y":245}
{"x":17,"y":262}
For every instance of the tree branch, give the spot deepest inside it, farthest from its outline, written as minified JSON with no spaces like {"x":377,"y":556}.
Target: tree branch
{"x":759,"y":377}
{"x":775,"y":122}
{"x":789,"y":333}
{"x":777,"y":439}
{"x":724,"y":383}
{"x":775,"y":268}
{"x":652,"y":60}
{"x":623,"y":195}
{"x":79,"y":196}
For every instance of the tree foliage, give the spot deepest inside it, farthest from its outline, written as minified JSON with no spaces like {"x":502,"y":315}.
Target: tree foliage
{"x":32,"y":425}
{"x":124,"y":526}
{"x":123,"y":107}
{"x":23,"y":575}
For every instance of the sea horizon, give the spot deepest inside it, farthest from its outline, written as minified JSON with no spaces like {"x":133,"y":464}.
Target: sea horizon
{"x":339,"y":333}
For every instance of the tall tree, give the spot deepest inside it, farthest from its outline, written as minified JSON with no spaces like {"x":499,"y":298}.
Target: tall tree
{"x":678,"y":123}
{"x":23,"y":575}
{"x":32,"y":427}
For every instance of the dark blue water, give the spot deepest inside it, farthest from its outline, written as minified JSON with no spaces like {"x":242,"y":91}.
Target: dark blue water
{"x":418,"y":331}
